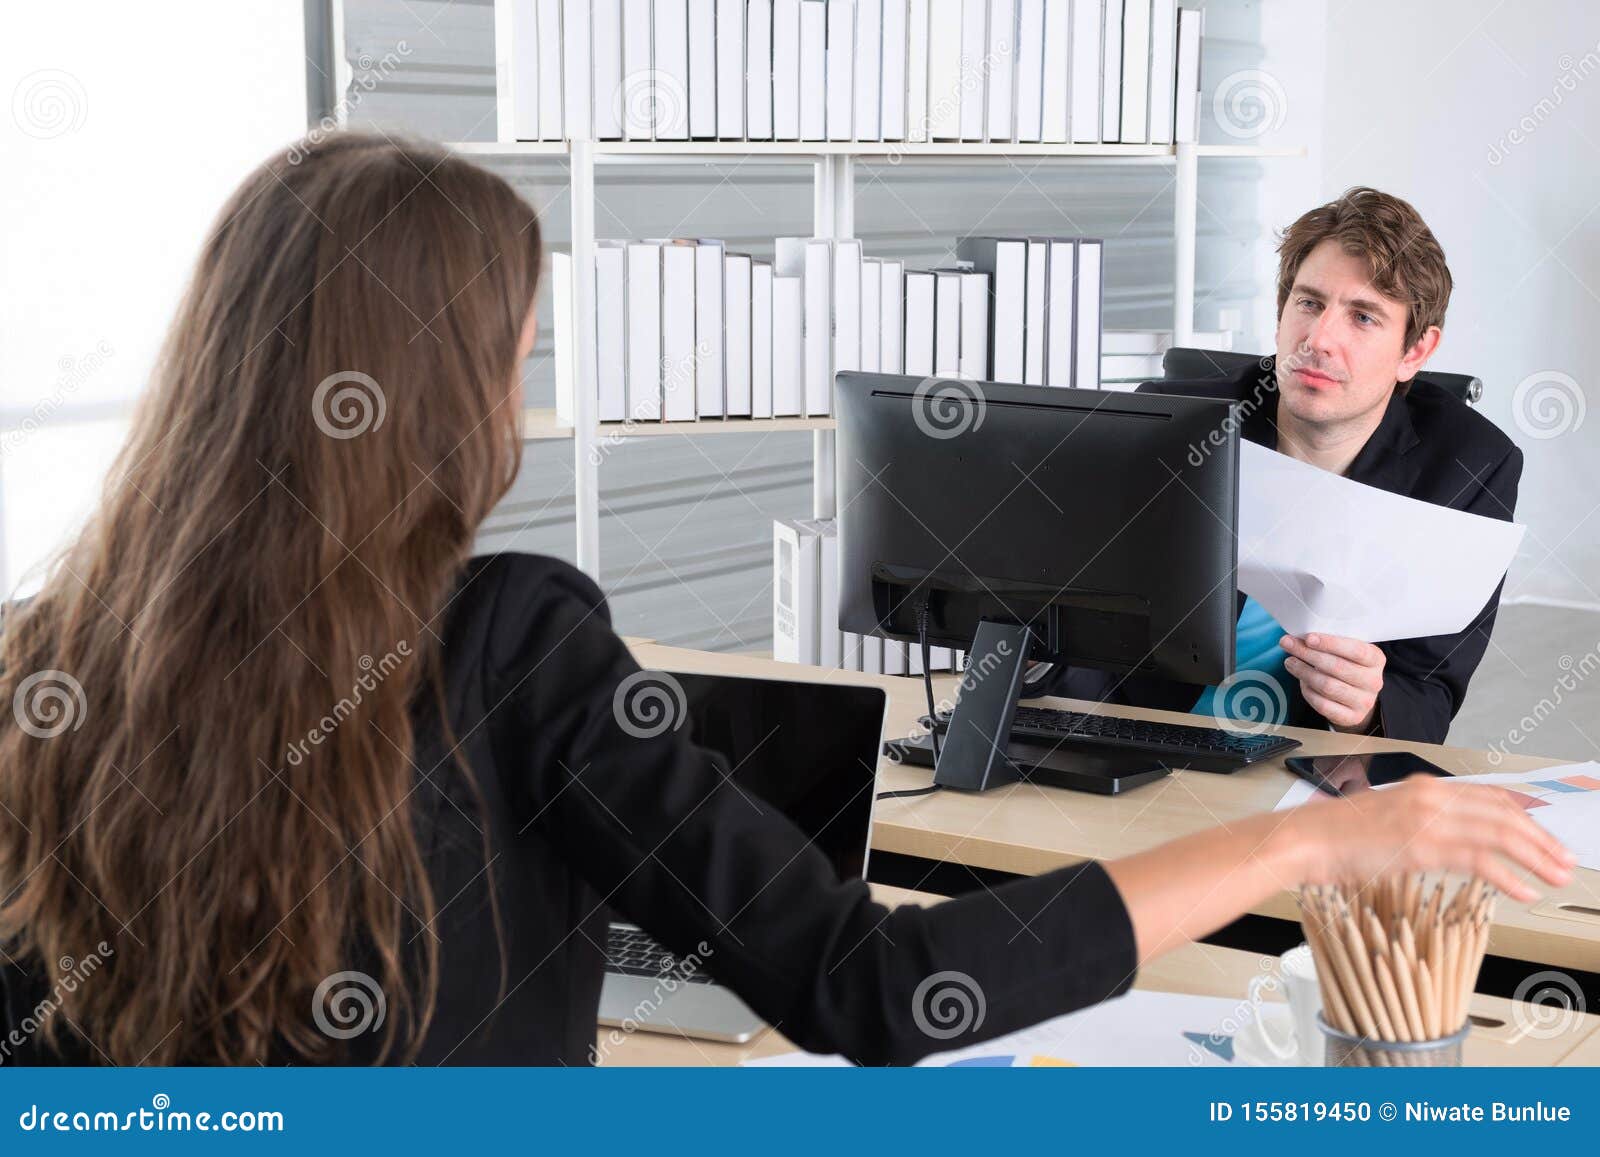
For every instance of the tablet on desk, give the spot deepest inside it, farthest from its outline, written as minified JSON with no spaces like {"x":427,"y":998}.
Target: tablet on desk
{"x":1346,"y":774}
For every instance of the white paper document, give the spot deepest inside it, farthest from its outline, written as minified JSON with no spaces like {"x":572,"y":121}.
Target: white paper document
{"x":1323,"y":553}
{"x":1564,"y":800}
{"x":1139,"y":1028}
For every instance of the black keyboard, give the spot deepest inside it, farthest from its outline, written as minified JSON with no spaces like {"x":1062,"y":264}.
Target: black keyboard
{"x":634,"y":952}
{"x":1175,"y":744}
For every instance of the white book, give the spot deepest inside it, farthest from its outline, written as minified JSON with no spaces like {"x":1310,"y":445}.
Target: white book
{"x":786,"y":69}
{"x":796,"y":572}
{"x":1111,"y":74}
{"x":974,"y":46}
{"x":813,"y":94}
{"x":579,"y":71}
{"x":918,"y":359}
{"x":892,"y":88}
{"x":855,"y":652}
{"x":896,"y":658}
{"x":946,"y":324}
{"x":550,"y":94}
{"x":830,"y":640}
{"x":1034,"y":329}
{"x":607,"y":42}
{"x":944,"y":70}
{"x":670,"y":70}
{"x":636,"y":96}
{"x":811,"y":259}
{"x":788,"y":346}
{"x":710,"y":376}
{"x":869,"y":66}
{"x":758,"y":70}
{"x":891,"y":305}
{"x":819,"y":328}
{"x":1002,"y":61}
{"x":644,"y":331}
{"x":1086,"y":336}
{"x":974,"y":326}
{"x":1135,"y":72}
{"x":1062,"y":313}
{"x":1129,"y":367}
{"x":1057,"y":63}
{"x":737,"y":343}
{"x":564,"y":317}
{"x":871,"y":315}
{"x":730,"y":70}
{"x":611,"y":330}
{"x":678,"y":356}
{"x":913,"y":658}
{"x":841,"y":68}
{"x":872,"y":654}
{"x":760,"y":339}
{"x":1005,"y":262}
{"x":846,"y":310}
{"x":1135,"y":341}
{"x":1087,"y":53}
{"x":1186,"y":118}
{"x":516,"y":70}
{"x":1163,"y":69}
{"x":702,"y":69}
{"x":917,"y":65}
{"x":1030,"y":70}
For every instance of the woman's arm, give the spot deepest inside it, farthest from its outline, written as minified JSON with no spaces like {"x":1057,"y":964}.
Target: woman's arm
{"x":1190,"y":887}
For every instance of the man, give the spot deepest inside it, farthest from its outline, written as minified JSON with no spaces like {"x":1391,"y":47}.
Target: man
{"x":1362,"y":291}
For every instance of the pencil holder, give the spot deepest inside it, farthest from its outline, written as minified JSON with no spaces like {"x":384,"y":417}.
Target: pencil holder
{"x":1343,"y":1051}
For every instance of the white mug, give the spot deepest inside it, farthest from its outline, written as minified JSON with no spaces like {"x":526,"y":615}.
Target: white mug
{"x":1298,"y":974}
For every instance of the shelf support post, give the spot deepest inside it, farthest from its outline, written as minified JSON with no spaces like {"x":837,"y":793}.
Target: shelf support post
{"x":585,"y":460}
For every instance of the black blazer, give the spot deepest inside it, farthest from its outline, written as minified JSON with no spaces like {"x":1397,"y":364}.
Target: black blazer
{"x":581,"y":815}
{"x":1430,"y":446}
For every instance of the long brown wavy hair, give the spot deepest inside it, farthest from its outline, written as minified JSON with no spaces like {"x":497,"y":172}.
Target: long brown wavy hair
{"x":208,"y":764}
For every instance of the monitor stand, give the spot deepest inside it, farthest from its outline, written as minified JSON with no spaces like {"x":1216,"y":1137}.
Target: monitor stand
{"x":977,"y":751}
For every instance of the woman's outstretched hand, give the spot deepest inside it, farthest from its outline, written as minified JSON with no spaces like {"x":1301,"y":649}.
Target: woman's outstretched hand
{"x":1426,"y":824}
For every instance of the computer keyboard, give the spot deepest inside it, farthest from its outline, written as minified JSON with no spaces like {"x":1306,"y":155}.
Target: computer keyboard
{"x":1176,"y":744}
{"x":634,"y":952}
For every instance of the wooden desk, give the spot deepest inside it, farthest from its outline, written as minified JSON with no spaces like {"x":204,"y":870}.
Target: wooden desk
{"x":1026,"y":830}
{"x":1196,"y":969}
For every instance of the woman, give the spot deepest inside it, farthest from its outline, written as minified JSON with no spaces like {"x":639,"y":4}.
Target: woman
{"x":297,"y":733}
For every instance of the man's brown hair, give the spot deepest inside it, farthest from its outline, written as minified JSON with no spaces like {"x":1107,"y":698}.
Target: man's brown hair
{"x":1404,"y":258}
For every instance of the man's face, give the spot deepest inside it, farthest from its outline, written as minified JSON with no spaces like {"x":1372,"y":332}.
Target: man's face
{"x":1341,"y":344}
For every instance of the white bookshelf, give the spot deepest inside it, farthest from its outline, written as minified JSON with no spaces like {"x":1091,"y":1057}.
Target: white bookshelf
{"x":833,"y":215}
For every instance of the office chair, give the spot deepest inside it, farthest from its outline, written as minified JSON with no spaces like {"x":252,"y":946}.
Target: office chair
{"x":1185,"y":364}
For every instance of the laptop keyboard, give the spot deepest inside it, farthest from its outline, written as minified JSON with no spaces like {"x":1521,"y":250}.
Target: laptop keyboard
{"x":634,"y":952}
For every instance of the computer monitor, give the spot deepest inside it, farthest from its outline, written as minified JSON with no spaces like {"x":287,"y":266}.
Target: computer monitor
{"x":1079,"y":526}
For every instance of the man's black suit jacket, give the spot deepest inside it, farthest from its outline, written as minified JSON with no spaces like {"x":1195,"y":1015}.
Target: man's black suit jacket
{"x":1429,"y":445}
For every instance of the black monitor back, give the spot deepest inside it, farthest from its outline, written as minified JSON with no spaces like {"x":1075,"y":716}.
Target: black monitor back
{"x":1104,"y":521}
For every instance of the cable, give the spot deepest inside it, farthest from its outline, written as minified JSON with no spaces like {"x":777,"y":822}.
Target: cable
{"x":933,"y":714}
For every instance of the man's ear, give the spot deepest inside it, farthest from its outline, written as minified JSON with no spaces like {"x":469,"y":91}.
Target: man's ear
{"x":1417,"y":356}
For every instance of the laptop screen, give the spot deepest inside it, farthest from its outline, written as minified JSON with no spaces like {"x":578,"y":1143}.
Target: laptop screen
{"x":809,"y":750}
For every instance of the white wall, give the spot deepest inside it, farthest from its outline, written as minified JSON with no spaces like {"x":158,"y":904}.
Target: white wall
{"x":128,"y":126}
{"x":1486,"y":116}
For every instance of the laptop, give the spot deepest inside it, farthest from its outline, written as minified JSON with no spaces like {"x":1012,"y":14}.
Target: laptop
{"x":809,"y":750}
